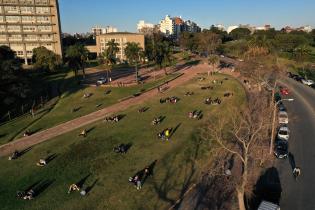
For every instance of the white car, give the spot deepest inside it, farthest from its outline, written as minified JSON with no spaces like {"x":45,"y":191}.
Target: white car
{"x":101,"y":81}
{"x":283,"y":133}
{"x":307,"y":82}
{"x":283,"y":117}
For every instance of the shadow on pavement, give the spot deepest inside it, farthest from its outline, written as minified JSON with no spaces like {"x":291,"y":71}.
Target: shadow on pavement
{"x":268,"y":188}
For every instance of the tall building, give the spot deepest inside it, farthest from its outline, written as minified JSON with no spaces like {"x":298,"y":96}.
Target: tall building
{"x":121,"y":38}
{"x":176,"y":25}
{"x":141,"y":26}
{"x":167,"y":26}
{"x":98,"y":30}
{"x":28,"y":24}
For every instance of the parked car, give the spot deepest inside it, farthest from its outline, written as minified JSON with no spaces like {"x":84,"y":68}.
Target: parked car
{"x":265,"y":205}
{"x":307,"y":82}
{"x":101,"y":81}
{"x":281,"y":150}
{"x":284,"y":91}
{"x":281,"y":107}
{"x":298,"y":78}
{"x":283,"y":133}
{"x":283,"y":117}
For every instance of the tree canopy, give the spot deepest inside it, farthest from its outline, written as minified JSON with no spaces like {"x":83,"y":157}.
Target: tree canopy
{"x":46,"y":60}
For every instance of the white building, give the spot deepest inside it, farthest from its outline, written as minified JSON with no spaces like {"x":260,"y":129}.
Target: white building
{"x":231,"y":28}
{"x":98,"y":30}
{"x":220,"y":27}
{"x":142,"y":25}
{"x":167,"y":25}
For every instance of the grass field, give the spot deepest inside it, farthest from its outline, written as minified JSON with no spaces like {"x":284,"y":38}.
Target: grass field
{"x":179,"y":161}
{"x":73,"y":98}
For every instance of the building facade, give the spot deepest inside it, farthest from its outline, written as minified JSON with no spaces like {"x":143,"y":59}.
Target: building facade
{"x":120,"y":38}
{"x":167,"y":26}
{"x":28,"y":24}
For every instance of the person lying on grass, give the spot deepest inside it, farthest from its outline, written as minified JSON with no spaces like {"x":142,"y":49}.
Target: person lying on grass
{"x":142,"y":110}
{"x":72,"y":188}
{"x":27,"y":133}
{"x":41,"y":162}
{"x":112,"y":119}
{"x":189,"y":93}
{"x":29,"y":195}
{"x":122,"y":148}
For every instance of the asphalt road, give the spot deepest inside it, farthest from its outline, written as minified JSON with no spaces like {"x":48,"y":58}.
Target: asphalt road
{"x":299,"y":195}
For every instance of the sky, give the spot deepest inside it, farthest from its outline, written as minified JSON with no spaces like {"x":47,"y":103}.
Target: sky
{"x":80,"y":15}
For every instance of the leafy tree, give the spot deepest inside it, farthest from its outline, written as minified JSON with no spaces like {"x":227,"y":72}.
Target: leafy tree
{"x":188,"y":41}
{"x":77,"y":56}
{"x":163,"y":55}
{"x":208,"y":42}
{"x":46,"y":59}
{"x":132,"y":52}
{"x":213,"y":61}
{"x":108,"y":57}
{"x":240,"y":33}
{"x":301,"y":54}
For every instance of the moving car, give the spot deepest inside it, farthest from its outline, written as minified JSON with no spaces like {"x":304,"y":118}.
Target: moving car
{"x":283,"y":133}
{"x":283,"y":117}
{"x":101,"y":81}
{"x":307,"y":82}
{"x":281,"y":150}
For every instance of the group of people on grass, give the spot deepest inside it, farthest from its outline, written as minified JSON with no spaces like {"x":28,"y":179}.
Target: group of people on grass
{"x":139,"y":178}
{"x":195,"y":114}
{"x":172,"y":100}
{"x":210,"y":101}
{"x":114,"y":119}
{"x":165,"y":134}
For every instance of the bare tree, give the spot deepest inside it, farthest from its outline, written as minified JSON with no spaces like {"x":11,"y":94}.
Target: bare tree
{"x":241,"y":133}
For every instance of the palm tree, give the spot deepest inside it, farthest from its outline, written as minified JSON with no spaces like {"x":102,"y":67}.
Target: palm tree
{"x":77,"y":56}
{"x":163,"y":55}
{"x":132,"y":52}
{"x":213,"y":61}
{"x":108,"y":57}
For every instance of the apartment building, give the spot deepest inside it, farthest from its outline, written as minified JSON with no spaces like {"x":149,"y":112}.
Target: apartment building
{"x":28,"y":24}
{"x":98,"y":30}
{"x":121,"y":38}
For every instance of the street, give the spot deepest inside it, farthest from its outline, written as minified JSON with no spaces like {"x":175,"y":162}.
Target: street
{"x":299,"y":195}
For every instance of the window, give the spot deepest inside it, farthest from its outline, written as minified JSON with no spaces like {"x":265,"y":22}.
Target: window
{"x":42,"y":10}
{"x":14,"y":28}
{"x":11,"y":9}
{"x":2,"y":28}
{"x":27,"y":10}
{"x":29,"y":28}
{"x":15,"y":37}
{"x":42,"y":2}
{"x":46,"y":38}
{"x":27,"y":2}
{"x":43,"y":19}
{"x":3,"y":37}
{"x":28,"y":19}
{"x":13,"y":19}
{"x":10,"y":1}
{"x":1,"y":19}
{"x":30,"y":38}
{"x":45,"y":28}
{"x":19,"y":53}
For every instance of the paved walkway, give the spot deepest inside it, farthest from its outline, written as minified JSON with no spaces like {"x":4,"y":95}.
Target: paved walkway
{"x":25,"y":142}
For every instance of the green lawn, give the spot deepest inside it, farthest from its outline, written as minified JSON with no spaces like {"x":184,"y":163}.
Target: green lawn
{"x":73,"y":98}
{"x":179,"y":161}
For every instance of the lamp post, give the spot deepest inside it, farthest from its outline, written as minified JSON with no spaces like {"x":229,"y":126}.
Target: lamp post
{"x":274,"y":121}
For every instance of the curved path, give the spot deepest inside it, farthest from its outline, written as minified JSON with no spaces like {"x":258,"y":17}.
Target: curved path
{"x":25,"y":142}
{"x":299,"y":195}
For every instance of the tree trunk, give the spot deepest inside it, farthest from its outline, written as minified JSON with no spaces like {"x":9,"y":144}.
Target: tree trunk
{"x":83,"y":71}
{"x":136,"y":68}
{"x":240,"y":198}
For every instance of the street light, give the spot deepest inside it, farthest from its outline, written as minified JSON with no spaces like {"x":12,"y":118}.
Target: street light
{"x":274,"y":121}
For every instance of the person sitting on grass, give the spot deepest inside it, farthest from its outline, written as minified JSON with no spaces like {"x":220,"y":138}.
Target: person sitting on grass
{"x":142,"y":110}
{"x":83,"y":133}
{"x":208,"y":101}
{"x":121,"y":149}
{"x":29,"y":195}
{"x":27,"y":133}
{"x":14,"y":155}
{"x":156,"y":121}
{"x":136,"y":181}
{"x":167,"y":134}
{"x":41,"y":162}
{"x":73,"y":187}
{"x":173,"y":100}
{"x":190,"y":114}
